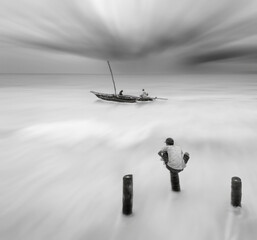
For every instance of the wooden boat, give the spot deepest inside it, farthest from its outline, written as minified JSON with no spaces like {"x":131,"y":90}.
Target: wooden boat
{"x":115,"y":98}
{"x":146,"y":99}
{"x":121,"y":98}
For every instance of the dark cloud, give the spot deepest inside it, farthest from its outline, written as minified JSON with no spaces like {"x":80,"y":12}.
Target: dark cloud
{"x":223,"y":55}
{"x":64,"y":26}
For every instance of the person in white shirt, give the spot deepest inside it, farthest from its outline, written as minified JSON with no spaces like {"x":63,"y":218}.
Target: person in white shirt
{"x":173,"y":156}
{"x":144,"y":94}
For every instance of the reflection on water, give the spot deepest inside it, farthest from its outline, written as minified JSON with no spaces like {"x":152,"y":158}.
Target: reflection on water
{"x":64,"y":153}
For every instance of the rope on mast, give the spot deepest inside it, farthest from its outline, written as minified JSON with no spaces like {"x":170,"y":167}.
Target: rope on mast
{"x":112,"y":78}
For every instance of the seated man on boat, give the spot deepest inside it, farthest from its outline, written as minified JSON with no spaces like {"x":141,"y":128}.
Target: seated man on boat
{"x":144,"y":94}
{"x":121,"y":93}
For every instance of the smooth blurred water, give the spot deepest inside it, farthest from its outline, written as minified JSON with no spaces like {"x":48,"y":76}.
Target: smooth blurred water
{"x":64,"y":153}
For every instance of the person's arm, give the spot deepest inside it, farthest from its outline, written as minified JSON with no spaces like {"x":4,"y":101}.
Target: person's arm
{"x":160,"y":153}
{"x":164,"y":155}
{"x":186,"y":157}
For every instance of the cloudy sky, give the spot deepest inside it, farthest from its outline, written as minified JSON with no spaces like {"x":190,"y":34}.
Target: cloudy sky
{"x":146,"y":36}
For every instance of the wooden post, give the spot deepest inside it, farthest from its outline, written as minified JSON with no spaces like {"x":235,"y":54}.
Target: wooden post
{"x":127,"y":194}
{"x":236,"y":191}
{"x":174,"y":179}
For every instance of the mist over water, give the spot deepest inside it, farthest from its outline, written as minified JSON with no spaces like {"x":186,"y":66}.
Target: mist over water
{"x":64,"y":153}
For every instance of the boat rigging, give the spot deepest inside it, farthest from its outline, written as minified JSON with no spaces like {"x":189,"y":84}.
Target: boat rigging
{"x":122,"y":98}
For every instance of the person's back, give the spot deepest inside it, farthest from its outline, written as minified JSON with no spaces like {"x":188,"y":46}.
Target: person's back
{"x":175,"y":157}
{"x":144,"y":94}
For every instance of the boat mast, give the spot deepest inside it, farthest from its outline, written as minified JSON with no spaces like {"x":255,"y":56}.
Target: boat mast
{"x":112,"y":77}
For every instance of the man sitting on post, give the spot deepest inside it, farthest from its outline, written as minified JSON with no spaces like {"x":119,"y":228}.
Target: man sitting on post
{"x":173,"y":156}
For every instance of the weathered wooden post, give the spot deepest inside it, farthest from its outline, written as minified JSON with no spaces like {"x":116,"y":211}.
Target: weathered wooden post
{"x":174,"y":179}
{"x":127,"y":194}
{"x":236,"y":192}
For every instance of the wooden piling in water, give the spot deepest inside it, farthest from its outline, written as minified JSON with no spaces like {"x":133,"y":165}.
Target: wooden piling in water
{"x":127,"y":199}
{"x":174,"y":179}
{"x":236,"y":192}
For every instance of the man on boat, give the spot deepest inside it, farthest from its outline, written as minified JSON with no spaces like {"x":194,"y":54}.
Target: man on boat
{"x":144,"y":94}
{"x":173,"y":156}
{"x":121,"y":92}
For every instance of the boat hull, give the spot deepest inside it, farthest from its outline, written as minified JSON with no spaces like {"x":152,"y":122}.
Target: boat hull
{"x":115,"y":98}
{"x":145,"y":99}
{"x":121,"y":98}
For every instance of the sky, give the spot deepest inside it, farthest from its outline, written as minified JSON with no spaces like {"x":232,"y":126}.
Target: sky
{"x":137,"y":36}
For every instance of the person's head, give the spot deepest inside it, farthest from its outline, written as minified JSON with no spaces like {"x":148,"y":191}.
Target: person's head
{"x":169,"y":141}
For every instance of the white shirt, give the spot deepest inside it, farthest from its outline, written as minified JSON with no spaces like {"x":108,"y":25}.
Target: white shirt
{"x":144,"y":94}
{"x":175,"y":155}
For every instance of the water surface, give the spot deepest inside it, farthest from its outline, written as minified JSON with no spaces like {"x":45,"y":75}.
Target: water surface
{"x":64,"y":153}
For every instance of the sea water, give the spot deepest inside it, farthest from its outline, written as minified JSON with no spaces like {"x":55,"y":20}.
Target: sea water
{"x":64,"y":153}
